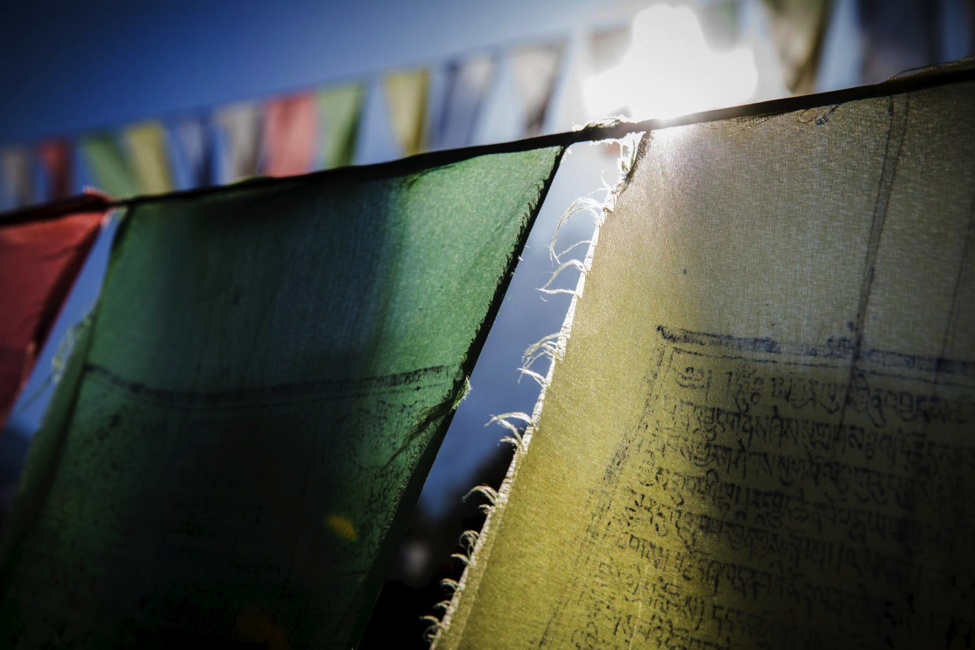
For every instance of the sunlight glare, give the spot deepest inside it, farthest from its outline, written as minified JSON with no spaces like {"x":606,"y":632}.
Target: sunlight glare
{"x":669,"y":70}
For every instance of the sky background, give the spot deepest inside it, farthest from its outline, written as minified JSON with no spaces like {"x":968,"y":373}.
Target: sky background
{"x":71,"y":66}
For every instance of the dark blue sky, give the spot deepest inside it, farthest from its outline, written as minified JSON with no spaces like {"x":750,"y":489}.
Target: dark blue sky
{"x":70,"y":66}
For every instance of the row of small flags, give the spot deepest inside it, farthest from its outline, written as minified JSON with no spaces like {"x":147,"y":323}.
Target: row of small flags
{"x":425,"y":109}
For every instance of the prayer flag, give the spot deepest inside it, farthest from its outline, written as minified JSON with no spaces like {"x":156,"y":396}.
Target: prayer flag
{"x":242,"y":434}
{"x":759,"y":433}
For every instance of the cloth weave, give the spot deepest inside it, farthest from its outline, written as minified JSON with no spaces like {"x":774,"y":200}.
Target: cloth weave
{"x":760,"y":434}
{"x":243,"y":431}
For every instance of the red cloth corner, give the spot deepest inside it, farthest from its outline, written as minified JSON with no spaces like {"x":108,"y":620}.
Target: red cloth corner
{"x":41,"y":253}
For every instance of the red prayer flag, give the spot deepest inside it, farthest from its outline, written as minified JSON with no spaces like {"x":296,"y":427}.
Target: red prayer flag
{"x":55,"y":156}
{"x":290,"y":135}
{"x":41,"y":252}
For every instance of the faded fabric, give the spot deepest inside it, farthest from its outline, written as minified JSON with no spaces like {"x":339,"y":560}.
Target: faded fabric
{"x":148,"y":156}
{"x":406,"y":101}
{"x":760,"y":433}
{"x":238,"y":141}
{"x":536,"y":69}
{"x":56,"y":156}
{"x":190,"y":147}
{"x":457,"y":111}
{"x":108,"y":164}
{"x":339,"y":110}
{"x":798,"y":31}
{"x":290,"y":135}
{"x":266,"y":382}
{"x":16,"y":178}
{"x":39,"y":261}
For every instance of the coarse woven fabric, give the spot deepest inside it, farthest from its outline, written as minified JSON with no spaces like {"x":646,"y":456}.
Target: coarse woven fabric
{"x":264,"y":386}
{"x":39,"y":262}
{"x":760,"y":434}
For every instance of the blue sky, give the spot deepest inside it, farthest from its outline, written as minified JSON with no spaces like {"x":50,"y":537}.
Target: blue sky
{"x":70,"y":66}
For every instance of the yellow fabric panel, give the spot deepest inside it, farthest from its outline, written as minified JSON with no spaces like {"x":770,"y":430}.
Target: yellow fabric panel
{"x":760,"y":434}
{"x":146,"y":145}
{"x":406,"y":98}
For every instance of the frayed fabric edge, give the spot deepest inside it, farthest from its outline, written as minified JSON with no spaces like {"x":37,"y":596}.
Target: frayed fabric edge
{"x":475,"y":545}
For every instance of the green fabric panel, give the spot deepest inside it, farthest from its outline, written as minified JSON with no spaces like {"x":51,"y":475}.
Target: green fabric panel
{"x":108,"y":164}
{"x":760,"y":433}
{"x":270,"y":373}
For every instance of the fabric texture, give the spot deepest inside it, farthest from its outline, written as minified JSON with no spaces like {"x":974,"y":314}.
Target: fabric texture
{"x":290,"y":135}
{"x":338,"y":109}
{"x":266,"y":382}
{"x":760,"y":432}
{"x":38,"y":265}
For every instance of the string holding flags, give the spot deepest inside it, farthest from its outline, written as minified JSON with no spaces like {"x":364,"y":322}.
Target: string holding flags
{"x":294,"y":133}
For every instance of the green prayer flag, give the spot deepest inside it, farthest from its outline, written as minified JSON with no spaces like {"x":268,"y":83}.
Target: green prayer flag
{"x":108,"y":164}
{"x":759,"y":432}
{"x":339,"y":108}
{"x":267,"y":379}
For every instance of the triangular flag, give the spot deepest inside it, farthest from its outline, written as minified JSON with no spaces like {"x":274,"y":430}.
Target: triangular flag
{"x":608,"y":46}
{"x":567,"y":108}
{"x":108,"y":165}
{"x":145,"y":144}
{"x":502,"y":118}
{"x":406,"y":100}
{"x":190,"y":152}
{"x":375,"y":141}
{"x":239,"y":129}
{"x":56,"y":158}
{"x":16,"y":182}
{"x":467,"y":82}
{"x":40,"y":259}
{"x":798,"y":30}
{"x":535,"y":69}
{"x":290,"y":135}
{"x":338,"y":110}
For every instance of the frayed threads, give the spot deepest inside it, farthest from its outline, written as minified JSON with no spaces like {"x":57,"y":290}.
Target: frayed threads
{"x":552,"y":347}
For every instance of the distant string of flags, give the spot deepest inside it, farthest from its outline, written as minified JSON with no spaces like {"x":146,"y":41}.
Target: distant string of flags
{"x":425,"y":108}
{"x":478,"y":98}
